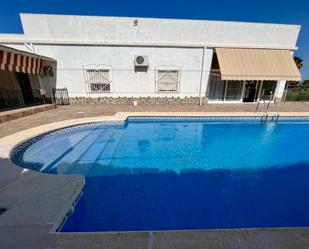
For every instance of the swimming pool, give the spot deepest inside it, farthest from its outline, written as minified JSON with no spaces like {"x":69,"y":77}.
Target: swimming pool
{"x":180,"y":173}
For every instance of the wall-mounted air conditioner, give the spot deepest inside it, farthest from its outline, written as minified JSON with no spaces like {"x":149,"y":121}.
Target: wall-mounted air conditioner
{"x":141,"y":62}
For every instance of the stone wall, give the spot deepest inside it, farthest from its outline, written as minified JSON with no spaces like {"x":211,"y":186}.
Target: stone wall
{"x":140,"y":101}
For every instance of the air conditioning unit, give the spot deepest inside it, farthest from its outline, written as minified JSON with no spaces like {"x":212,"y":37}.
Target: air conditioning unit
{"x":141,"y":61}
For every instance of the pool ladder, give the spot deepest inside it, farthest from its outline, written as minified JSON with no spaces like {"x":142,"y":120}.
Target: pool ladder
{"x":273,"y":117}
{"x":270,"y":117}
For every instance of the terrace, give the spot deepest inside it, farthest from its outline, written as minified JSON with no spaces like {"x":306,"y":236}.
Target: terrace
{"x":35,"y":230}
{"x":68,"y":112}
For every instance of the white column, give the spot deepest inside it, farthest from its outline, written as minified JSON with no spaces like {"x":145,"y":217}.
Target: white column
{"x":260,"y":90}
{"x":280,"y":89}
{"x":205,"y":72}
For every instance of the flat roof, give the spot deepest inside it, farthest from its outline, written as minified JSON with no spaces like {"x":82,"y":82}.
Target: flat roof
{"x":51,"y":29}
{"x":157,"y":19}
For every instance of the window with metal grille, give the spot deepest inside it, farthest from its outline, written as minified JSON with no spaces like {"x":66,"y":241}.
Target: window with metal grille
{"x":168,"y":80}
{"x":97,"y":80}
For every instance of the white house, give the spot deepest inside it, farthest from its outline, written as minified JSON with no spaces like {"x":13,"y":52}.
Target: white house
{"x":210,"y":61}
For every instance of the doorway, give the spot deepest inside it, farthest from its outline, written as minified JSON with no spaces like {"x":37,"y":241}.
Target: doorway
{"x":233,"y":91}
{"x":251,"y":90}
{"x":25,"y":87}
{"x":268,"y":90}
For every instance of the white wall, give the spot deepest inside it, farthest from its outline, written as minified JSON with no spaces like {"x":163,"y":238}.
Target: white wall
{"x":150,"y":30}
{"x":127,"y":82}
{"x":280,"y":88}
{"x":77,"y":41}
{"x":48,"y":82}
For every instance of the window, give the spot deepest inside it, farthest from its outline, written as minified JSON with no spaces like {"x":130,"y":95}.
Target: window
{"x":48,"y":71}
{"x":98,"y":80}
{"x":99,"y":87}
{"x":168,"y":80}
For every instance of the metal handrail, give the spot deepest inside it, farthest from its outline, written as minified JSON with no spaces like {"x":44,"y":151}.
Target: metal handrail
{"x":17,"y":98}
{"x":271,"y":99}
{"x":262,"y":98}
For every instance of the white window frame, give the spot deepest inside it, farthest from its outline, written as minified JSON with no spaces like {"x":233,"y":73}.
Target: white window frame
{"x":168,"y":69}
{"x":98,"y":81}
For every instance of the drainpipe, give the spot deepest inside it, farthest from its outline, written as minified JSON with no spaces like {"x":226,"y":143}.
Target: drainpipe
{"x":201,"y":78}
{"x":30,"y":47}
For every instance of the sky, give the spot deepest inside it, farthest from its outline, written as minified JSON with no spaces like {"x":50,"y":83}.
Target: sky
{"x":283,"y":11}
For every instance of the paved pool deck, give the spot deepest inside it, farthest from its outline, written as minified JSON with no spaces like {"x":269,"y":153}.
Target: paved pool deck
{"x":81,"y":111}
{"x":285,"y":238}
{"x":35,"y":204}
{"x":9,"y":115}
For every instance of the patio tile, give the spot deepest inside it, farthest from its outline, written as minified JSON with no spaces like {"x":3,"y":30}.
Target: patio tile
{"x":81,"y":111}
{"x":296,"y":238}
{"x":102,"y":240}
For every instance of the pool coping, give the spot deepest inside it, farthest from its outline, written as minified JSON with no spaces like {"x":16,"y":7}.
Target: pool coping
{"x":258,"y":238}
{"x":7,"y":143}
{"x":19,"y":181}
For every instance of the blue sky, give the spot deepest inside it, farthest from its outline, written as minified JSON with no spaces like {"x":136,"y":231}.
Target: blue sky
{"x":284,"y":11}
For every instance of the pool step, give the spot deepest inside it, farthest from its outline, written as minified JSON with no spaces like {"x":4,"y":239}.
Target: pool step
{"x":70,"y":162}
{"x":102,"y":165}
{"x":64,"y":148}
{"x":86,"y":162}
{"x":96,"y":148}
{"x":106,"y":156}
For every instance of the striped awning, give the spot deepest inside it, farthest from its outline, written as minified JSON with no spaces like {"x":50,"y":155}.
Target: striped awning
{"x":257,"y":64}
{"x":20,"y":62}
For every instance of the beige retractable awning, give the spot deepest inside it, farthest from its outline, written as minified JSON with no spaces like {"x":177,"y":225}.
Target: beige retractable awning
{"x":257,"y":64}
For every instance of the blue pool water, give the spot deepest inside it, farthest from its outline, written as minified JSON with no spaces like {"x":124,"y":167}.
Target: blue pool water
{"x":180,"y":174}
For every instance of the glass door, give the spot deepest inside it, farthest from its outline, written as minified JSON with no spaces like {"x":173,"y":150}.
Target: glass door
{"x":251,"y":88}
{"x":233,"y":91}
{"x":216,"y":88}
{"x":268,"y":90}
